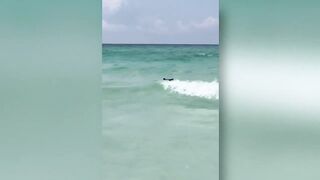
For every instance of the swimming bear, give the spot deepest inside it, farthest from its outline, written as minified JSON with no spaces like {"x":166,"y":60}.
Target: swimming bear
{"x":168,"y":79}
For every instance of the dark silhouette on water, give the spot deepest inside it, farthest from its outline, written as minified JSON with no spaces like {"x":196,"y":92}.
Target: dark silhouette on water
{"x":168,"y":79}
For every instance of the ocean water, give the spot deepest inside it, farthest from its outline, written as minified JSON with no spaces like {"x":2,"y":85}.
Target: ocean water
{"x":155,"y":129}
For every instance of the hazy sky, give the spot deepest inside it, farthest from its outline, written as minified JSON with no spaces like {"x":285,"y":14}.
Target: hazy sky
{"x":161,"y":21}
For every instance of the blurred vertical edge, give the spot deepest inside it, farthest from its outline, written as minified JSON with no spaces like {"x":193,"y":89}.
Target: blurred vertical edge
{"x":50,"y":55}
{"x":270,"y":119}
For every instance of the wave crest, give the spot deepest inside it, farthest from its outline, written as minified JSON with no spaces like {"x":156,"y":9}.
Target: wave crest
{"x":208,"y":90}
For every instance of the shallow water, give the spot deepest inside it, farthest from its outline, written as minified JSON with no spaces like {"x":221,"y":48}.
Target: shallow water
{"x":155,"y":129}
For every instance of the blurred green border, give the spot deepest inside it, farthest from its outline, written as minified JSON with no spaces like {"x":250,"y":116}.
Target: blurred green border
{"x":50,"y":89}
{"x":269,"y":90}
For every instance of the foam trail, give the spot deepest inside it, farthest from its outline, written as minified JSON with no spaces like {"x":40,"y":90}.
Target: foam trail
{"x":208,"y":90}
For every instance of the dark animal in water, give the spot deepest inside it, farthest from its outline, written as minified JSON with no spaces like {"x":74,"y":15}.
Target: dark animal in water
{"x":168,"y":79}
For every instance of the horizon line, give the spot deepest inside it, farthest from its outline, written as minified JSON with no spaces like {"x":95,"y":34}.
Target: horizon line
{"x":158,"y":44}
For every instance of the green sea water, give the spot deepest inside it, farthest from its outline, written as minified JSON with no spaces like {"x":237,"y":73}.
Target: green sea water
{"x":155,"y":129}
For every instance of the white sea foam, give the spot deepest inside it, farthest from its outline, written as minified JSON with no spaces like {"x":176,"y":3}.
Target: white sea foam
{"x":208,"y":90}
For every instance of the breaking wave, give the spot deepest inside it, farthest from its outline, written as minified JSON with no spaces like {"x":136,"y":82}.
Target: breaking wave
{"x":203,"y":89}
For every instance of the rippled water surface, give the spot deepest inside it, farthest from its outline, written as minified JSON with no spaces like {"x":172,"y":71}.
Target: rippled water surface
{"x":155,"y":129}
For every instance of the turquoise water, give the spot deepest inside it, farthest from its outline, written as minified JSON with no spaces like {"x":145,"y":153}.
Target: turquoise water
{"x":155,"y":129}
